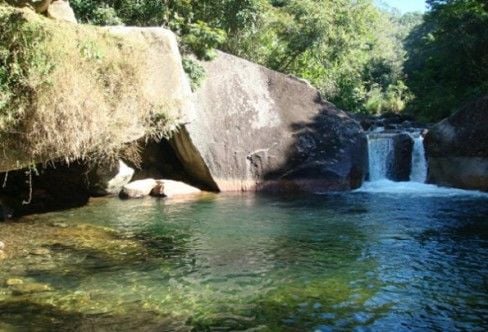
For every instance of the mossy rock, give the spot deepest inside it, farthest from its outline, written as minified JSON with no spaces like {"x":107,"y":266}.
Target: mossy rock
{"x":81,"y":92}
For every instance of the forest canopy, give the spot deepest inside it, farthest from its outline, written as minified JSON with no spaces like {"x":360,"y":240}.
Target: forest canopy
{"x":362,"y":58}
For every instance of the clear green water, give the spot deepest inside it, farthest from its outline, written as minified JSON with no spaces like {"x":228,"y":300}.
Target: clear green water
{"x":359,"y":261}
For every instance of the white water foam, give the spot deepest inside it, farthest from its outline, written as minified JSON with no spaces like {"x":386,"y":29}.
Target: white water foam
{"x":380,"y":153}
{"x":415,"y":188}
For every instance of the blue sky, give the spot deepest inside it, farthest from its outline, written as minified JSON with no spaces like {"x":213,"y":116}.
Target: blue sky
{"x":405,"y":5}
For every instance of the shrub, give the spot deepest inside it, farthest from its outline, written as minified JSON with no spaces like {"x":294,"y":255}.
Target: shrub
{"x":195,"y":72}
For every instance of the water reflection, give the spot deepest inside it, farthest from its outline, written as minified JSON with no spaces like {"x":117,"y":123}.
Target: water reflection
{"x":340,"y":261}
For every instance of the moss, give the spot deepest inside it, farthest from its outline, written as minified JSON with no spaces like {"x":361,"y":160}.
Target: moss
{"x":195,"y":72}
{"x":72,"y":91}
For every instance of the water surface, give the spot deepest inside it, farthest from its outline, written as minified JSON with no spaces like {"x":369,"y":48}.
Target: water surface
{"x":375,"y":259}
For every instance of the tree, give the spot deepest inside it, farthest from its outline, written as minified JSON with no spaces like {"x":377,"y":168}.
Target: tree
{"x":448,"y":57}
{"x":349,"y":49}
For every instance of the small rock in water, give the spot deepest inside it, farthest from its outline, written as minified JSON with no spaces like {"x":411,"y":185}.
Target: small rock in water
{"x":40,"y":251}
{"x":14,"y":282}
{"x":2,"y":245}
{"x":29,"y":288}
{"x":59,"y":224}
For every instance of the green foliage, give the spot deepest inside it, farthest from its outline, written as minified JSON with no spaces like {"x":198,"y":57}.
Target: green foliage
{"x":195,"y":72}
{"x":353,"y":52}
{"x":202,"y":40}
{"x":197,"y":36}
{"x":24,"y":67}
{"x":448,"y":57}
{"x":347,"y":49}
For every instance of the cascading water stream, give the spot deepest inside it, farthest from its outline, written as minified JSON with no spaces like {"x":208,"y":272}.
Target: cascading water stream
{"x":419,"y":164}
{"x":380,"y":149}
{"x":381,"y":153}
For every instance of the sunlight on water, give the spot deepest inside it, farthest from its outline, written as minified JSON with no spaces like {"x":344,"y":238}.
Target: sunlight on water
{"x":359,"y":261}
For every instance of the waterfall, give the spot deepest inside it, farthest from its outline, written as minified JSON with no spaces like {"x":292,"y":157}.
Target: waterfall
{"x":419,"y":164}
{"x":380,"y":156}
{"x":381,"y":152}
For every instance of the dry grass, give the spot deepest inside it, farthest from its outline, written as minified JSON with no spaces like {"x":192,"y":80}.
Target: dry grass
{"x":77,"y":94}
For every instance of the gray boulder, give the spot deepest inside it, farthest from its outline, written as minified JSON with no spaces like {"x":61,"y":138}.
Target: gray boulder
{"x":171,"y":188}
{"x":60,"y":10}
{"x":109,"y":178}
{"x":255,"y":129}
{"x":138,"y":189}
{"x":457,"y":148}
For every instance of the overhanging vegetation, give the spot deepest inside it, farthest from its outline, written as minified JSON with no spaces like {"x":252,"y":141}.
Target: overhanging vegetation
{"x":72,"y":91}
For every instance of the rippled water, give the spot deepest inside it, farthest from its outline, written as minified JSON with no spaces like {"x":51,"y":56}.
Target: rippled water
{"x":367,"y":260}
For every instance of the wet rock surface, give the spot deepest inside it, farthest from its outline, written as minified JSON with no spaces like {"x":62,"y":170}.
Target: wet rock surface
{"x":402,"y":156}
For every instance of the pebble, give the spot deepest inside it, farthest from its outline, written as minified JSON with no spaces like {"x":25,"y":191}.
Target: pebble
{"x":2,"y":245}
{"x":40,"y":251}
{"x":14,"y":282}
{"x":60,"y":224}
{"x":29,"y":288}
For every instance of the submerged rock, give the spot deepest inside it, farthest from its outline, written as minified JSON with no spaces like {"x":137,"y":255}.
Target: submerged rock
{"x":457,"y":148}
{"x":40,"y":252}
{"x":29,"y":288}
{"x":2,"y":245}
{"x":252,"y":128}
{"x":138,"y":189}
{"x":14,"y":282}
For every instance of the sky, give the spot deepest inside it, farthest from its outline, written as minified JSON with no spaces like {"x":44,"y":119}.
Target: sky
{"x":405,"y":5}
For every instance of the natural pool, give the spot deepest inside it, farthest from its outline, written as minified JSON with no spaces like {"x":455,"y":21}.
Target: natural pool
{"x":399,"y":259}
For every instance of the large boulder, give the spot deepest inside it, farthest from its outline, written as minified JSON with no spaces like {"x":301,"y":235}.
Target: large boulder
{"x":255,"y":129}
{"x":457,"y":148}
{"x":109,"y":85}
